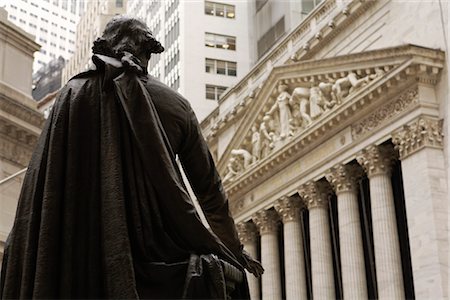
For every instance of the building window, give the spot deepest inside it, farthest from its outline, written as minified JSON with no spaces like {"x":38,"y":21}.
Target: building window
{"x":270,"y":37}
{"x":308,"y":6}
{"x":213,"y":92}
{"x":119,"y":3}
{"x":220,"y":41}
{"x":214,"y":66}
{"x":220,"y":10}
{"x":34,"y":4}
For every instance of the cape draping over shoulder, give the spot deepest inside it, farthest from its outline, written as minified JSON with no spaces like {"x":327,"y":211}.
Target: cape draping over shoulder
{"x":103,"y":211}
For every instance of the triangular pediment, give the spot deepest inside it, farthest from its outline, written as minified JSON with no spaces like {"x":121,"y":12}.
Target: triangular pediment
{"x":297,"y":98}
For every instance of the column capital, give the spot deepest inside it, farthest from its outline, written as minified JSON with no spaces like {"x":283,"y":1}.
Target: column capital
{"x":376,"y":159}
{"x":247,"y":232}
{"x":343,"y":178}
{"x":266,"y":221}
{"x":315,"y":194}
{"x":422,"y":132}
{"x":288,"y":209}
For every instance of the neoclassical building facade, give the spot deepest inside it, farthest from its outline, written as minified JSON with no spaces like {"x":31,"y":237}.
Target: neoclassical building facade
{"x":333,"y":151}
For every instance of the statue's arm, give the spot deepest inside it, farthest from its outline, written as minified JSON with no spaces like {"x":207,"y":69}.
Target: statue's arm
{"x":207,"y":185}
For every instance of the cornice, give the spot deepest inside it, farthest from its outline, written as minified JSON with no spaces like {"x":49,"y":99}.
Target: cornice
{"x":22,"y":40}
{"x":20,"y":106}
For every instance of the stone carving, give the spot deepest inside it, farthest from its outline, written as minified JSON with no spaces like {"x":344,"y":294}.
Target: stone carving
{"x":284,"y":111}
{"x":318,"y":103}
{"x":343,"y":178}
{"x":239,"y":161}
{"x":301,"y":95}
{"x":256,"y":143}
{"x":376,"y":159}
{"x":233,"y":169}
{"x":315,"y":194}
{"x":288,"y":208}
{"x":423,"y":132}
{"x":267,"y":136}
{"x":386,"y":112}
{"x":247,"y":232}
{"x":266,"y":221}
{"x":295,"y":112}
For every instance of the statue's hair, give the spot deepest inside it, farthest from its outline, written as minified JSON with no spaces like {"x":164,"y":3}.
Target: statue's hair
{"x":120,"y":37}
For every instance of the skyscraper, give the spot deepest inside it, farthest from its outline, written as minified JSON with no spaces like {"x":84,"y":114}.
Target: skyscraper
{"x":91,"y":25}
{"x":210,"y":45}
{"x":52,"y":22}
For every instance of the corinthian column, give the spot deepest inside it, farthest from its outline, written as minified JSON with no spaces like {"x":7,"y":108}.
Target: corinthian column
{"x":343,"y":180}
{"x":289,"y":210}
{"x":420,"y":144}
{"x":377,"y":161}
{"x":267,"y":223}
{"x":247,"y":234}
{"x":315,"y":196}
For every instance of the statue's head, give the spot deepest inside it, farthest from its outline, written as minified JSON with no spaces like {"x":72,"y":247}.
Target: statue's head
{"x":282,"y":87}
{"x":126,"y":34}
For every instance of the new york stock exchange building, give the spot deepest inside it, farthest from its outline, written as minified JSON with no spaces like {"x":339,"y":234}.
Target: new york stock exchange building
{"x":333,"y":150}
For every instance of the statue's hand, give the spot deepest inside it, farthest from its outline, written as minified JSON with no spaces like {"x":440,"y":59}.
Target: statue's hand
{"x":252,"y":265}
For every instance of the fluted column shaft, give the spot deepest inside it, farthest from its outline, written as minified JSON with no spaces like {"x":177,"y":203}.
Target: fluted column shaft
{"x":289,"y":210}
{"x":267,"y":222}
{"x":247,"y":234}
{"x":343,"y":179}
{"x":377,"y":163}
{"x":321,"y":252}
{"x":420,"y":145}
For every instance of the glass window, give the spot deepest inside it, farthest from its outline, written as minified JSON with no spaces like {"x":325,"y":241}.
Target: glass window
{"x":214,"y":92}
{"x":209,"y":65}
{"x":220,"y":41}
{"x":119,"y":3}
{"x":229,"y":11}
{"x":232,"y":68}
{"x":221,"y":67}
{"x":210,"y":92}
{"x":209,"y":8}
{"x":220,"y":10}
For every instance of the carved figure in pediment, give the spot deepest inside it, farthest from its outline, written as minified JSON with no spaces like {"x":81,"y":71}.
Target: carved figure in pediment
{"x":267,"y":136}
{"x":346,"y":85}
{"x":301,"y":95}
{"x":244,"y":156}
{"x":327,"y":91}
{"x":284,"y":111}
{"x":318,"y":103}
{"x":233,"y":169}
{"x":256,"y":143}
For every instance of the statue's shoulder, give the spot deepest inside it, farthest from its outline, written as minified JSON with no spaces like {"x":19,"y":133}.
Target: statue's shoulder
{"x":160,"y":92}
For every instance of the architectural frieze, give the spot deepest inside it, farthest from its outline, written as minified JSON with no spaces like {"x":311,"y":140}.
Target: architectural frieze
{"x":14,"y":153}
{"x":422,"y":132}
{"x":404,"y":102}
{"x":19,"y":110}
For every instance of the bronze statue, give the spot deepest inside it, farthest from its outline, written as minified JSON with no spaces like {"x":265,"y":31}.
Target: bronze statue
{"x":103,"y":211}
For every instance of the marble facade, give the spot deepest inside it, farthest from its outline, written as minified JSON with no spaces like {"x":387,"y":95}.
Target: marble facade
{"x":342,"y":113}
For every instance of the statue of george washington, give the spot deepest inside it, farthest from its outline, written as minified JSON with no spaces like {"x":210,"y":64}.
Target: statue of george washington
{"x":103,"y":211}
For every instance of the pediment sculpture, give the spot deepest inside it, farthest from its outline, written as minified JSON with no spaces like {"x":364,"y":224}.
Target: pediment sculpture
{"x":292,"y":109}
